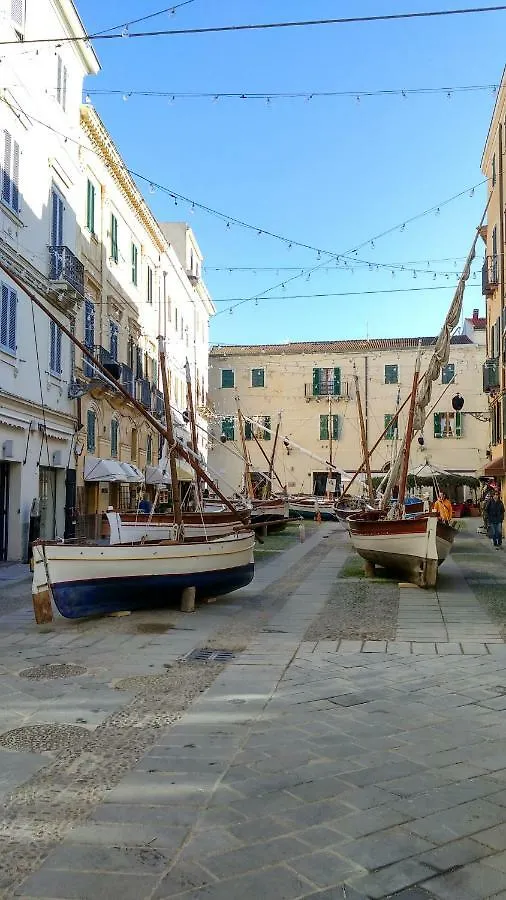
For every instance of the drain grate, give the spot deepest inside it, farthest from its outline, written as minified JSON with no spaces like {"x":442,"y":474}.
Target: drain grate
{"x":206,"y":654}
{"x":55,"y":670}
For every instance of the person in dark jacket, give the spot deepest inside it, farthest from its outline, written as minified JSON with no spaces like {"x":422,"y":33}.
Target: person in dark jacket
{"x":495,"y":516}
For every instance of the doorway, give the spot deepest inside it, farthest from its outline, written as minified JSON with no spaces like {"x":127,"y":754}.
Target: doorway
{"x":4,"y":510}
{"x":47,"y":502}
{"x":320,"y":483}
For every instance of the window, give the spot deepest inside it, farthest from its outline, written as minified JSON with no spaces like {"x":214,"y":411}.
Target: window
{"x":149,"y":450}
{"x":114,"y":437}
{"x":227,"y":378}
{"x":113,"y":340}
{"x":227,"y":428}
{"x":257,"y":428}
{"x":114,"y":238}
{"x":135,"y":265}
{"x":324,"y":428}
{"x":448,"y":373}
{"x":175,"y":317}
{"x":150,"y":285}
{"x":494,"y":174}
{"x":57,"y":214}
{"x":90,"y":207}
{"x":392,"y":374}
{"x":10,"y":172}
{"x":61,"y":83}
{"x":89,"y":335}
{"x":258,"y":378}
{"x":391,"y":426}
{"x":8,"y":316}
{"x":139,"y":371}
{"x":448,"y":425}
{"x":91,"y":427}
{"x":326,"y":382}
{"x":55,"y":333}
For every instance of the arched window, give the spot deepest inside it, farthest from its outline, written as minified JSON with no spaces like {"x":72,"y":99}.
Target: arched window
{"x":91,"y":431}
{"x":149,"y":450}
{"x":114,"y":437}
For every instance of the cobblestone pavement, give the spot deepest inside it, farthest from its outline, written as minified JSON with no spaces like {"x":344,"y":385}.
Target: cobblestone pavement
{"x":305,"y":770}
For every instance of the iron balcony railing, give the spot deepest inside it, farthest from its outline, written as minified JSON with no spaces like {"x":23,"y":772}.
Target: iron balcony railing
{"x":326,"y":389}
{"x":158,"y":404}
{"x":143,"y":392}
{"x":127,"y":379}
{"x":490,"y":275}
{"x":67,"y":268}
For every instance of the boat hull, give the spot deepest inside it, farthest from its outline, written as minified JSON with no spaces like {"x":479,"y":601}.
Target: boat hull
{"x":307,"y":509}
{"x":413,"y":547}
{"x":129,"y":528}
{"x":265,"y":511}
{"x":90,"y":580}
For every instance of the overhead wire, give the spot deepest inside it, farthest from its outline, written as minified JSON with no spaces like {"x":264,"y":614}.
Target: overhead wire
{"x":160,"y":12}
{"x":269,"y":26}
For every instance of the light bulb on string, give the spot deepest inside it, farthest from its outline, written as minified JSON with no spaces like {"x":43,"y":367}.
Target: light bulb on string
{"x":192,"y":208}
{"x":435,"y":276}
{"x":372,"y":245}
{"x":230,"y":311}
{"x":152,"y":189}
{"x":414,"y":273}
{"x":308,"y":98}
{"x":125,"y":97}
{"x":125,"y":33}
{"x":471,"y":192}
{"x":87,"y":99}
{"x":449,"y":95}
{"x":268,"y":101}
{"x":215,"y":98}
{"x":357,"y":98}
{"x":438,"y":211}
{"x":404,"y":95}
{"x":228,"y":224}
{"x":393,"y":274}
{"x":259,"y":232}
{"x":403,"y":226}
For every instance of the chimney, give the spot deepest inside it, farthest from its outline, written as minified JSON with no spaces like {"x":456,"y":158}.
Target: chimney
{"x":476,"y":315}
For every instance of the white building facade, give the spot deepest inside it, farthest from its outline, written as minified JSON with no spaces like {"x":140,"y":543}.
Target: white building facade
{"x":41,"y":184}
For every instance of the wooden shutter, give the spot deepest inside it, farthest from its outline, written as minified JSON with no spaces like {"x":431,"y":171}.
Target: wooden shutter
{"x":458,"y":424}
{"x":15,"y":177}
{"x":248,"y":431}
{"x":316,"y":382}
{"x":90,"y":208}
{"x":227,"y":378}
{"x":335,"y":428}
{"x":324,"y":428}
{"x":437,"y":425}
{"x":90,"y":431}
{"x":13,"y":304}
{"x":6,"y":171}
{"x":114,"y":437}
{"x":4,"y":316}
{"x":89,"y":323}
{"x":227,"y":428}
{"x":337,"y":382}
{"x":52,"y":347}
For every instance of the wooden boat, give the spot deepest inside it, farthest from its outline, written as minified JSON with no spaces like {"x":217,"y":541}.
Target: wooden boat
{"x":129,"y":527}
{"x":271,"y":510}
{"x":413,"y":547}
{"x":88,"y":580}
{"x":308,"y":507}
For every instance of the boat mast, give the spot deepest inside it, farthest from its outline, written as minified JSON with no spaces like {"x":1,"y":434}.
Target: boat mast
{"x":363,"y":439}
{"x":247,"y":474}
{"x":409,"y":434}
{"x":176,"y":495}
{"x":191,"y":410}
{"x":271,"y":464}
{"x":155,"y":424}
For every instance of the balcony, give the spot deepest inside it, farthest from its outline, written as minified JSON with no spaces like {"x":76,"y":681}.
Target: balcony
{"x":143,"y":392}
{"x":105,"y":359}
{"x":127,"y":379}
{"x":326,"y":391}
{"x":490,"y":275}
{"x":158,"y":404}
{"x":193,"y":278}
{"x":491,"y":375}
{"x":66,"y":271}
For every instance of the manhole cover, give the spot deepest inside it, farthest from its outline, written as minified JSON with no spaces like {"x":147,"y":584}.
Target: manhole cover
{"x":38,"y":738}
{"x":205,"y":654}
{"x":153,"y":628}
{"x":56,"y":670}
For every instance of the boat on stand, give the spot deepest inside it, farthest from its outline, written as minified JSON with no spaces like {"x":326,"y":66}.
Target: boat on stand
{"x":84,"y":578}
{"x":412,"y":545}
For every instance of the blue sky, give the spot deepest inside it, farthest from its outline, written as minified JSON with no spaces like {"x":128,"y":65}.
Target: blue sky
{"x":332,"y":173}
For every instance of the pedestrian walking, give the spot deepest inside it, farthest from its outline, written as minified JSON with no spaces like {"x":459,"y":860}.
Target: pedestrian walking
{"x":495,"y":516}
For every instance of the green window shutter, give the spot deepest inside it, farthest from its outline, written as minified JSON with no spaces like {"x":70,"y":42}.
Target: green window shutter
{"x":227,"y":428}
{"x":248,"y":431}
{"x":257,"y":378}
{"x":458,"y":424}
{"x":324,"y":428}
{"x":448,"y":373}
{"x":390,"y":433}
{"x":316,"y":382}
{"x":134,"y":264}
{"x":267,"y":424}
{"x":90,"y":207}
{"x":90,"y":431}
{"x":114,"y":437}
{"x":114,"y":238}
{"x":437,"y":425}
{"x":335,"y":427}
{"x":337,"y":381}
{"x":227,"y":378}
{"x":391,"y":374}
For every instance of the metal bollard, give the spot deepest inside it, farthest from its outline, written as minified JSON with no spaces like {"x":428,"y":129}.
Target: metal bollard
{"x":302,"y":533}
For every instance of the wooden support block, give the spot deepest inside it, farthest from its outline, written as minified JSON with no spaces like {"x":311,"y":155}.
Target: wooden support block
{"x":369,"y":569}
{"x":42,"y":607}
{"x":188,"y":600}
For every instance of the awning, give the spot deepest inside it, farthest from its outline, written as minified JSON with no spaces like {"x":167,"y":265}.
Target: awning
{"x":494,"y":468}
{"x":12,"y":424}
{"x":160,"y":474}
{"x":96,"y":469}
{"x":157,"y":475}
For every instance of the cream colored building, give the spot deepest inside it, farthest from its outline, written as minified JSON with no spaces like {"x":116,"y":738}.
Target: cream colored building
{"x":494,"y":283}
{"x":312,"y":386}
{"x":141,"y":280}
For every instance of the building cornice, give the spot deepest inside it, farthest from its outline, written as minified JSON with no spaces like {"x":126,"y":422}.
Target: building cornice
{"x":104,"y":145}
{"x":75,"y":28}
{"x":494,"y":121}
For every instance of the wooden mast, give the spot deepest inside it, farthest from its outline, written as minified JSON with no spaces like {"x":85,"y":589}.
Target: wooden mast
{"x":409,"y":434}
{"x":155,"y":424}
{"x":363,"y":439}
{"x":247,"y":474}
{"x":271,"y":464}
{"x":193,"y":426}
{"x":176,"y":494}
